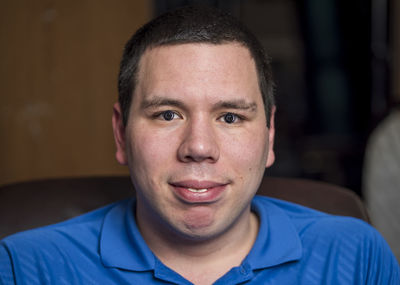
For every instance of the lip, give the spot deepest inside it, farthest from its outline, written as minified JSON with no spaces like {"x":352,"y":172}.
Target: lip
{"x":213,"y":192}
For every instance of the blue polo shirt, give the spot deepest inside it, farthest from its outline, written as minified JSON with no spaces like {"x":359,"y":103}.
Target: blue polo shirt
{"x":295,"y":245}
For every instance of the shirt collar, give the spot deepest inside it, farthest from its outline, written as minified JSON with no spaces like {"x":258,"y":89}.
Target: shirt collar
{"x":122,"y":245}
{"x":277,"y":241}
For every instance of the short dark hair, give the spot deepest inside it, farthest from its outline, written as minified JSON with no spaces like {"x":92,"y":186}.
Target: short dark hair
{"x":191,"y":24}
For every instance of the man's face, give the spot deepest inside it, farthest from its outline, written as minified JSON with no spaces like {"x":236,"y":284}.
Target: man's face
{"x":196,"y":140}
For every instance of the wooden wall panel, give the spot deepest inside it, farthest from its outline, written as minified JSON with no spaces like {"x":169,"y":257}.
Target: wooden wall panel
{"x":58,"y":81}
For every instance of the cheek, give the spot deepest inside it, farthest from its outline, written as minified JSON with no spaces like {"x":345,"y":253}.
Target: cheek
{"x":150,"y":150}
{"x":148,"y":160}
{"x":248,"y":150}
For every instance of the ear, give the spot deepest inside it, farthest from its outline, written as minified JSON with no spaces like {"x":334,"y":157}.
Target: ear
{"x":119,"y":135}
{"x":271,"y":138}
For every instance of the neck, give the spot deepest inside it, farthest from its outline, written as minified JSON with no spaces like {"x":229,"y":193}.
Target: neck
{"x":201,"y":260}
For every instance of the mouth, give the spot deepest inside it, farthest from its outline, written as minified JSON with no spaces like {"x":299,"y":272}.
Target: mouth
{"x":192,"y":191}
{"x":197,"y":190}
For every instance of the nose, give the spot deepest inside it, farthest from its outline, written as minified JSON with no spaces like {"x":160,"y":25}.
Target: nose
{"x":199,"y":143}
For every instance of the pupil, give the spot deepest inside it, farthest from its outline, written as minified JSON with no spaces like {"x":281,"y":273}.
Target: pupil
{"x":168,"y":115}
{"x":229,"y":118}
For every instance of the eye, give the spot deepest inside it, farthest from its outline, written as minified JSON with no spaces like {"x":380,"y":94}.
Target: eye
{"x":168,"y":115}
{"x":230,"y":118}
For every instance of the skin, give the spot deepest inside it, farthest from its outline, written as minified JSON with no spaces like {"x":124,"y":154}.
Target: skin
{"x":197,"y":120}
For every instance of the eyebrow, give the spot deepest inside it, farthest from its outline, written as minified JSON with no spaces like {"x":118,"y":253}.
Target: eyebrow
{"x":159,"y":102}
{"x":239,"y":104}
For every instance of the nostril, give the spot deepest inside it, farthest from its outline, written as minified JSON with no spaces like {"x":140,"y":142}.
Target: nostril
{"x":198,"y":150}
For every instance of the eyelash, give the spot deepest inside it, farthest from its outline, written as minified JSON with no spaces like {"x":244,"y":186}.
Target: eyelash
{"x":235,"y":120}
{"x":161,"y":115}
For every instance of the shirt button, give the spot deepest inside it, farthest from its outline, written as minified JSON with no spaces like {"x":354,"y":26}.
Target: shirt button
{"x":243,"y":271}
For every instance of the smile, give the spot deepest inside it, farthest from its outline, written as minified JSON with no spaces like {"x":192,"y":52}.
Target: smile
{"x":198,"y":190}
{"x":193,"y":191}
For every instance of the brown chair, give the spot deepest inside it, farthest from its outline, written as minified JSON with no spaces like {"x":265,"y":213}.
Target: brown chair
{"x":32,"y":204}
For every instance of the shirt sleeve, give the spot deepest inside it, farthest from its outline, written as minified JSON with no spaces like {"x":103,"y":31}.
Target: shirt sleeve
{"x":383,"y":266}
{"x":6,"y":269}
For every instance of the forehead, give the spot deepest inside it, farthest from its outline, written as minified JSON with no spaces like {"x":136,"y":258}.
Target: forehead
{"x":198,"y":68}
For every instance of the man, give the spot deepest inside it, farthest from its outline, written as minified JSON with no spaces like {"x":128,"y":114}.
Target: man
{"x":195,"y":125}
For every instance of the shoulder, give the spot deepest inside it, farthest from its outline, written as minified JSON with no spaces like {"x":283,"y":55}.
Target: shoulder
{"x":298,"y":214}
{"x":55,"y":248}
{"x":310,"y":222}
{"x":82,"y":225}
{"x":338,"y":243}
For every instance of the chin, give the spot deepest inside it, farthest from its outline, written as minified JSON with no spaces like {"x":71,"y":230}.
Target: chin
{"x":199,"y":235}
{"x":201,"y":225}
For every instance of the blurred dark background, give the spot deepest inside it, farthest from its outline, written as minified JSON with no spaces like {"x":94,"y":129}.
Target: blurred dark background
{"x":331,"y":61}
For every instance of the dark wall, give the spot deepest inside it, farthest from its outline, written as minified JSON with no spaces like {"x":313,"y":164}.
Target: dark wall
{"x":329,"y":93}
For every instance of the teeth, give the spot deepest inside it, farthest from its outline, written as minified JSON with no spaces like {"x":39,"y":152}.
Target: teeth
{"x":197,"y":190}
